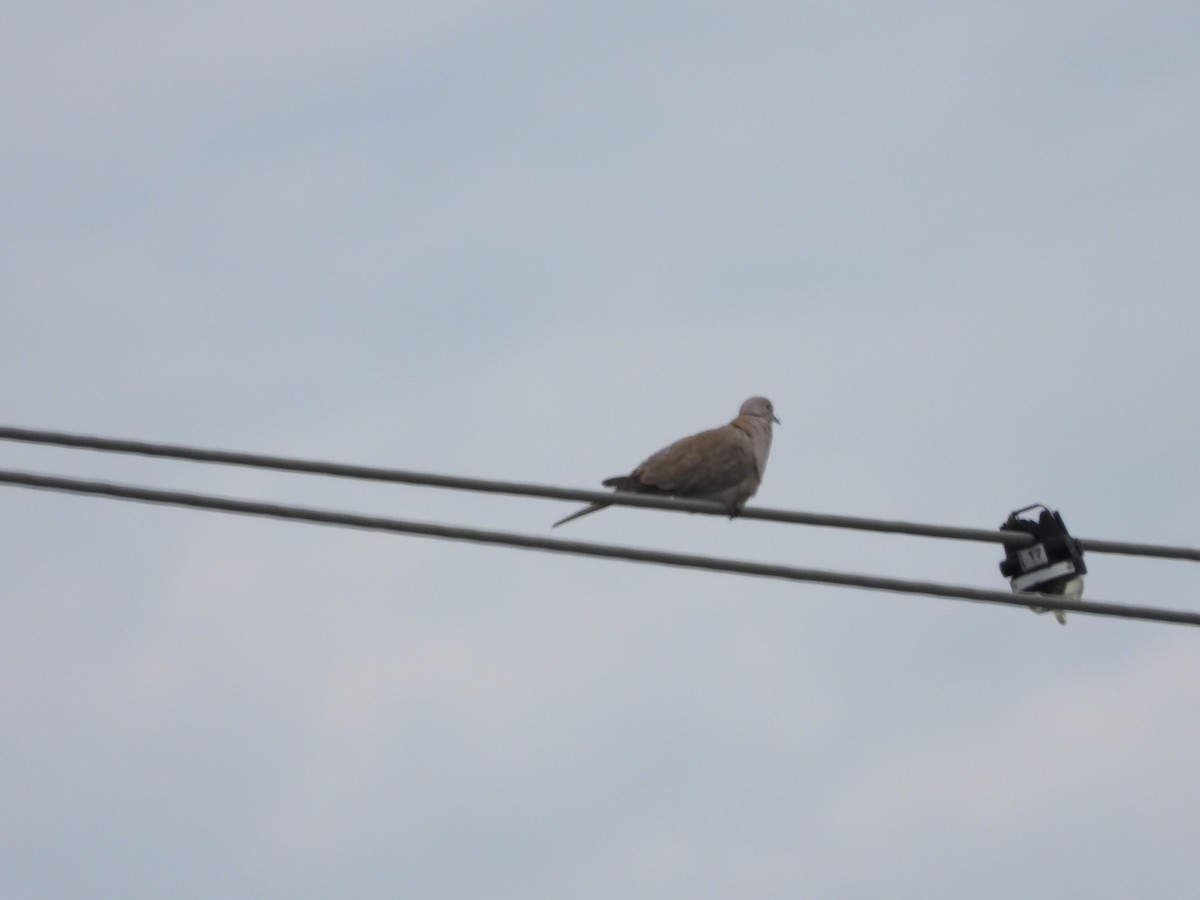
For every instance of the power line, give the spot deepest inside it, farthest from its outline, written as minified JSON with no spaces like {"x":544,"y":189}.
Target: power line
{"x":580,"y":548}
{"x":399,"y":476}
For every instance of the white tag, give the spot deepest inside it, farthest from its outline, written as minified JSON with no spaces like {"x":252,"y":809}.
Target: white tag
{"x":1032,"y":557}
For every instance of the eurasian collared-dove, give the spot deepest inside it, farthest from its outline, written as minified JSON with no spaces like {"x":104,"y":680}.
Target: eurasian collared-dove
{"x":725,"y":464}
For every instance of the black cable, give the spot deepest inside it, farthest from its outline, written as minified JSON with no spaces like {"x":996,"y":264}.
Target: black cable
{"x":379,"y":523}
{"x":314,"y":467}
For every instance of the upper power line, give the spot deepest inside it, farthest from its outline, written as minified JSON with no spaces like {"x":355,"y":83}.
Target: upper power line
{"x":399,"y":476}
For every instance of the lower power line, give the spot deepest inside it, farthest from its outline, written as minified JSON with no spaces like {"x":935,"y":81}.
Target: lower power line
{"x":580,"y":548}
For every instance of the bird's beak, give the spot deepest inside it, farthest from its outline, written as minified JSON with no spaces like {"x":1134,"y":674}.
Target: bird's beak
{"x":775,"y":419}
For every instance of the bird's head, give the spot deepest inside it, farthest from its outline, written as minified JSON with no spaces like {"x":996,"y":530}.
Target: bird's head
{"x":761,"y":407}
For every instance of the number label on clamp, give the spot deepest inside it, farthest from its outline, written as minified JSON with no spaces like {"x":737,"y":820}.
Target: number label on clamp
{"x":1032,"y":557}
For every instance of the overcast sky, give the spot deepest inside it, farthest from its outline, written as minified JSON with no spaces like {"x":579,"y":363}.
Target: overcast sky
{"x":956,"y":244}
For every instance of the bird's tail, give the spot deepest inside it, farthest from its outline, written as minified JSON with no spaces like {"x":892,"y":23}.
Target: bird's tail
{"x":591,"y":508}
{"x":620,"y":482}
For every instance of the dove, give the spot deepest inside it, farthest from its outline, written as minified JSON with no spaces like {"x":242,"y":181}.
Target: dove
{"x":725,"y":464}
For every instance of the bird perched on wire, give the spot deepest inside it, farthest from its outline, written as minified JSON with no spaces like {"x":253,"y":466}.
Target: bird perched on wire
{"x":724,"y":464}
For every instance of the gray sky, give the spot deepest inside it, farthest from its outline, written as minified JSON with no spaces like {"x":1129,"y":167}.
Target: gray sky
{"x":954,"y":243}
